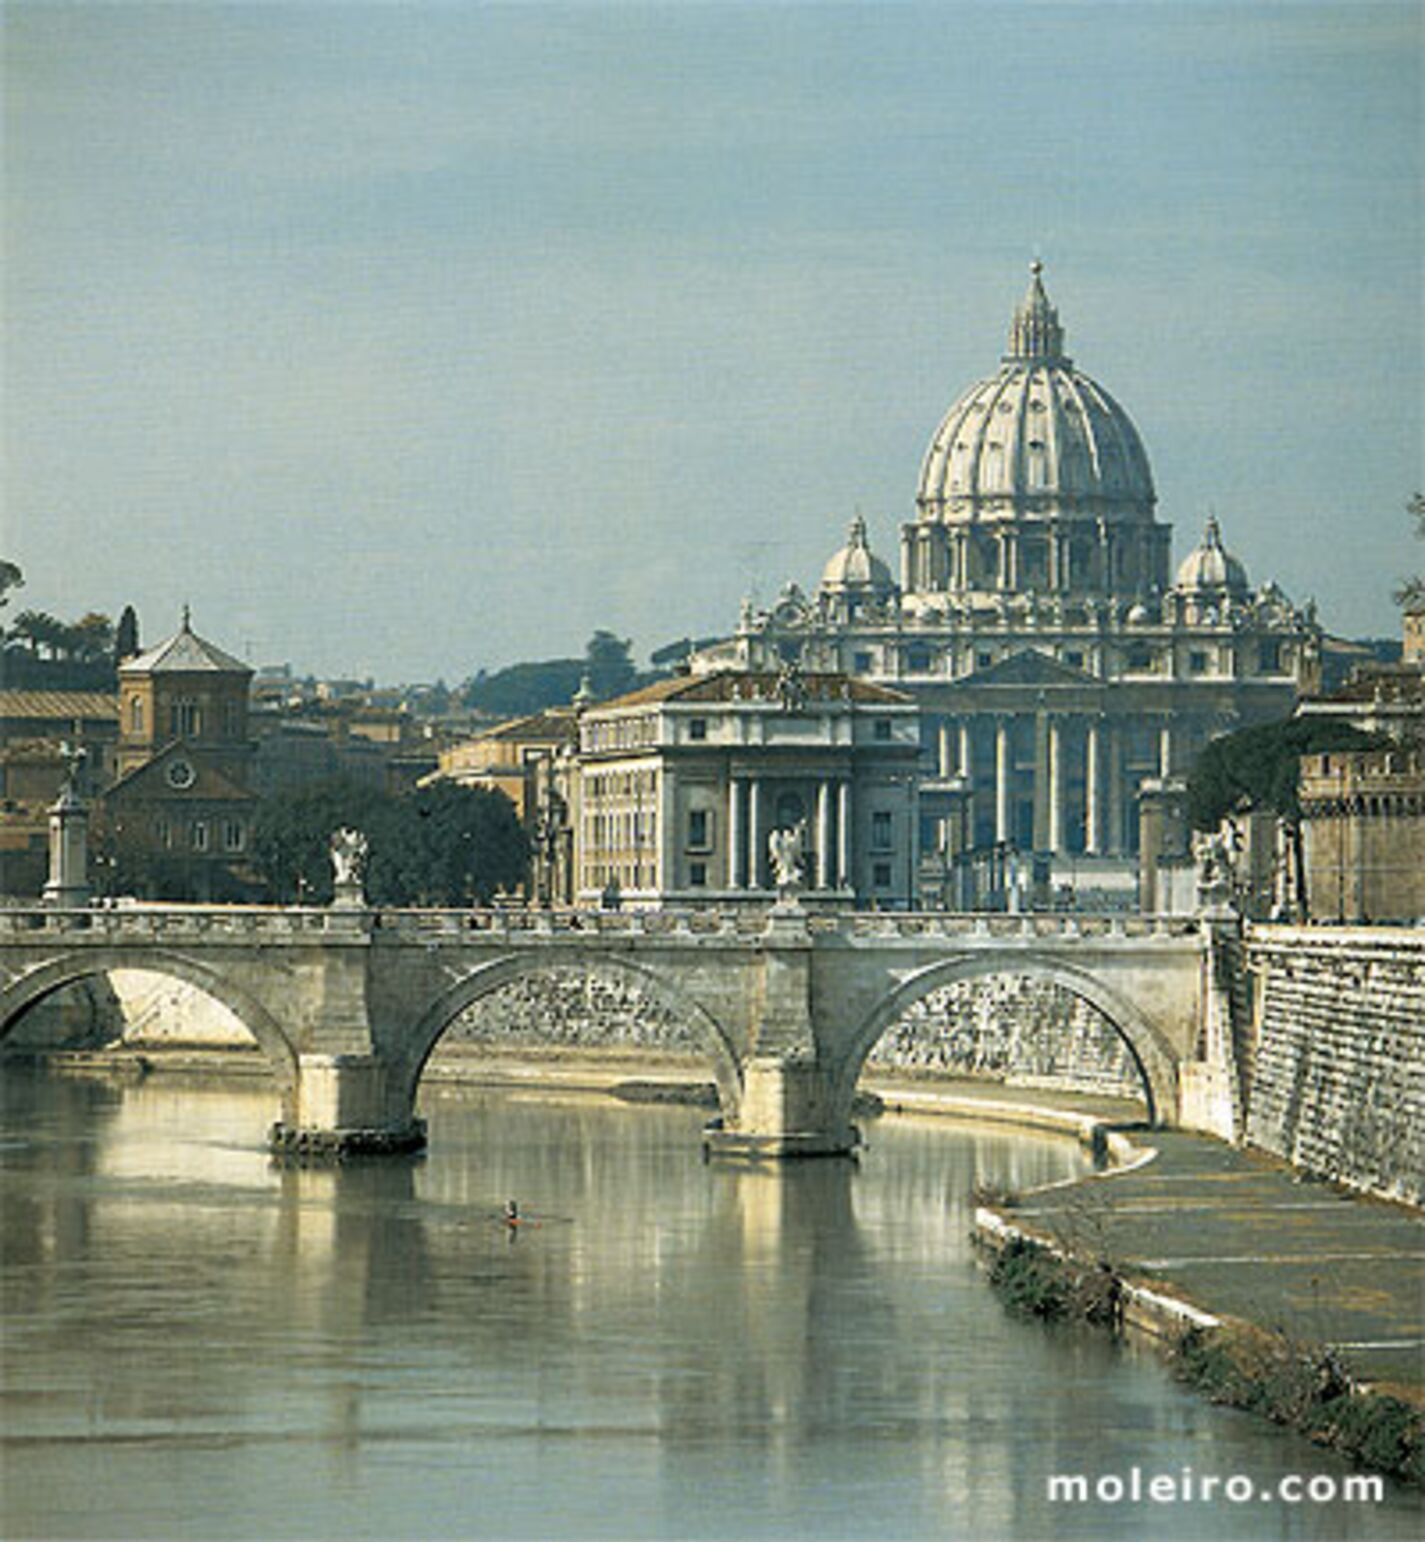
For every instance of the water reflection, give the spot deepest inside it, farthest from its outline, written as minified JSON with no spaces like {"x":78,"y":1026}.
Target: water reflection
{"x":667,"y":1349}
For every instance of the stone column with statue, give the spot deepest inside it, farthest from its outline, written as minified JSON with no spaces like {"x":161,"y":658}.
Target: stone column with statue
{"x":68,"y":882}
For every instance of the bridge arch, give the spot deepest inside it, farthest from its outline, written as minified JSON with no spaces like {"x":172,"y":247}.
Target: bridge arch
{"x":485,"y":979}
{"x":20,"y":994}
{"x":1149,"y":1049}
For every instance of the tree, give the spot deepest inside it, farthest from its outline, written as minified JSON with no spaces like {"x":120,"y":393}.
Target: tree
{"x":609,"y":669}
{"x":524,"y":688}
{"x":291,"y":838}
{"x":1410,"y":596}
{"x":39,"y":630}
{"x":1259,"y":768}
{"x":441,"y":845}
{"x":91,"y":638}
{"x":10,"y":578}
{"x":467,"y":845}
{"x":126,"y":635}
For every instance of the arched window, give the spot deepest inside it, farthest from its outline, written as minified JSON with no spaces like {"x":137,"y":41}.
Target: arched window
{"x":136,"y":714}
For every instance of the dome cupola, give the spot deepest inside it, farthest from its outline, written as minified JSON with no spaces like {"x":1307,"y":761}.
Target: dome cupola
{"x":1035,"y":482}
{"x":856,"y":567}
{"x":855,"y":580}
{"x":1211,"y":570}
{"x":1037,"y":437}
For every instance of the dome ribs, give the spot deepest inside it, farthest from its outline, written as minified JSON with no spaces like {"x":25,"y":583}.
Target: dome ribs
{"x":1047,"y":460}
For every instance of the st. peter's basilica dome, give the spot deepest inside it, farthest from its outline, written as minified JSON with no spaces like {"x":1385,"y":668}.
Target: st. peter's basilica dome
{"x":1037,"y":437}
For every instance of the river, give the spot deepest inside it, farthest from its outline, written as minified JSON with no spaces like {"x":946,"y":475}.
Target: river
{"x":199,"y":1344}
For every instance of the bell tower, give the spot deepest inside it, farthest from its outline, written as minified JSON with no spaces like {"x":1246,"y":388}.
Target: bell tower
{"x":185,"y":690}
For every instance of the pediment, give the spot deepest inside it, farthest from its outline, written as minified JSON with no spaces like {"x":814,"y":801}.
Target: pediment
{"x":1031,"y":667}
{"x":153,"y":779}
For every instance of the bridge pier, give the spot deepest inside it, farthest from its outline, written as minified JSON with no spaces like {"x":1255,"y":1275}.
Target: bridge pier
{"x":1210,"y":1097}
{"x":787,"y":1110}
{"x":346,"y":1105}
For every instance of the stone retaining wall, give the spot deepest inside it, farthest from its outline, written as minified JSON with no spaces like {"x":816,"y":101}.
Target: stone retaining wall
{"x":572,"y":1008}
{"x":1014,"y":1029}
{"x":1338,"y":1074}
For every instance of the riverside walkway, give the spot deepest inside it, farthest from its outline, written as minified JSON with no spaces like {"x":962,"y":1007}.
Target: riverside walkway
{"x":1240,"y":1234}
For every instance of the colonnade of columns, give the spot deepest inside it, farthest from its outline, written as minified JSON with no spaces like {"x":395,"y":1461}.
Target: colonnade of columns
{"x":750,"y":822}
{"x":1070,"y":748}
{"x":1076,"y":557}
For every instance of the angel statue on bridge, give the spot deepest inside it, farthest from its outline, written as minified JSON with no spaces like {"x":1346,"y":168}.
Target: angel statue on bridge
{"x":785,"y":847}
{"x":349,"y":849}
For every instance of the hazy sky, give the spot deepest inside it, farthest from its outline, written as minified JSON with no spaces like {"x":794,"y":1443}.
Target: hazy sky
{"x":408,"y":338}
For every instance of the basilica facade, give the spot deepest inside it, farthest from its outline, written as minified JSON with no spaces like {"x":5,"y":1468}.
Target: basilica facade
{"x":1058,"y":659}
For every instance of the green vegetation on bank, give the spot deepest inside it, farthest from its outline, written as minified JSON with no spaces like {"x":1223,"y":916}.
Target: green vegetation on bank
{"x":1305,"y":1387}
{"x":1036,"y":1282}
{"x":1308,"y":1389}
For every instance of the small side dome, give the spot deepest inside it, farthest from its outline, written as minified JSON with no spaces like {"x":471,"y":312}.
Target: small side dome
{"x":855,"y":569}
{"x":1211,"y":568}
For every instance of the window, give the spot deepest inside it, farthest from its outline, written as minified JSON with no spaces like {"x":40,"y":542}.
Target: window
{"x":184,"y":717}
{"x":200,"y":835}
{"x":881,"y":875}
{"x":163,"y":833}
{"x":881,"y":830}
{"x":232,"y":835}
{"x":917,"y":660}
{"x":882,"y":730}
{"x":1197,"y":661}
{"x":1140,"y":659}
{"x":136,"y":714}
{"x":698,"y":875}
{"x":698,"y":728}
{"x":699,"y":829}
{"x":1269,"y":657}
{"x":232,"y":719}
{"x":1074,"y":657}
{"x":984,"y":660}
{"x":861,"y":663}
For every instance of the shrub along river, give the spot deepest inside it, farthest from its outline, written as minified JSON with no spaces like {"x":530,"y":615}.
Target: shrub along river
{"x":200,"y":1344}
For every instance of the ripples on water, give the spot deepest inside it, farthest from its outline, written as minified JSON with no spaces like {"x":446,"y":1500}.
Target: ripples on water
{"x":200,"y":1345}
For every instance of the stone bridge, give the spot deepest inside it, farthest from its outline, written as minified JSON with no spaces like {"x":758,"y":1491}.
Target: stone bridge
{"x":348,"y":1003}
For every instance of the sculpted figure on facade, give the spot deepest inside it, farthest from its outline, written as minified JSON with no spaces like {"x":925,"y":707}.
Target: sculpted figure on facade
{"x":791,"y":688}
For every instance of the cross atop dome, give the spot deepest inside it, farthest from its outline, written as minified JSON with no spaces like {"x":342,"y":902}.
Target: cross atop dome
{"x":1035,"y":335}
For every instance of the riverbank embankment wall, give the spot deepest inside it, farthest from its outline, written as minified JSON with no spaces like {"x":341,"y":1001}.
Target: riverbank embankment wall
{"x":1335,"y":1074}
